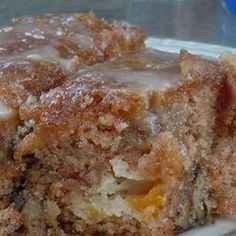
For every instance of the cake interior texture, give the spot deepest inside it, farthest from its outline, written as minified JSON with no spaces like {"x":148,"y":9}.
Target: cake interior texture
{"x":222,"y":161}
{"x":126,"y":147}
{"x":39,"y":53}
{"x":140,"y":144}
{"x":36,"y":55}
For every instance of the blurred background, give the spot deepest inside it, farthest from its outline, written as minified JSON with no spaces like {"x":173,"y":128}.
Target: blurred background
{"x":208,"y":21}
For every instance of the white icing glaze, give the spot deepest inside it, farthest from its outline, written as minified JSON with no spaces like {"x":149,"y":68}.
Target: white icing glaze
{"x":48,"y":53}
{"x":149,"y":78}
{"x":144,"y":71}
{"x":84,"y":41}
{"x":144,"y":80}
{"x":151,"y":123}
{"x":39,"y":39}
{"x":6,"y":112}
{"x":45,"y":53}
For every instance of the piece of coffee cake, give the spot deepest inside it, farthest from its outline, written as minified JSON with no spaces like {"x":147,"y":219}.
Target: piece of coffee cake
{"x":222,"y":161}
{"x":123,"y":148}
{"x":37,"y":54}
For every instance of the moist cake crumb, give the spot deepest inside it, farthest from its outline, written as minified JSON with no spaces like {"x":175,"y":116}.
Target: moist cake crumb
{"x":124,"y":147}
{"x":38,"y":54}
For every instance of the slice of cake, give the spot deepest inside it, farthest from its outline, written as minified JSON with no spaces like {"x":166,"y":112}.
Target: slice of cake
{"x":122,"y":148}
{"x":222,"y":161}
{"x":37,"y":54}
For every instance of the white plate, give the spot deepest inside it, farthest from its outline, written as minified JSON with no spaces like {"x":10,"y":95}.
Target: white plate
{"x":222,"y":227}
{"x":171,"y":45}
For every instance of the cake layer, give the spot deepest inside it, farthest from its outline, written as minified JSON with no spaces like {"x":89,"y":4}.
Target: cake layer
{"x":122,"y":147}
{"x":37,"y":54}
{"x":222,"y":161}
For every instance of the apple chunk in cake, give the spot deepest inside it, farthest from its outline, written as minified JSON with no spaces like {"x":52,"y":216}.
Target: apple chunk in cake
{"x":121,"y":147}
